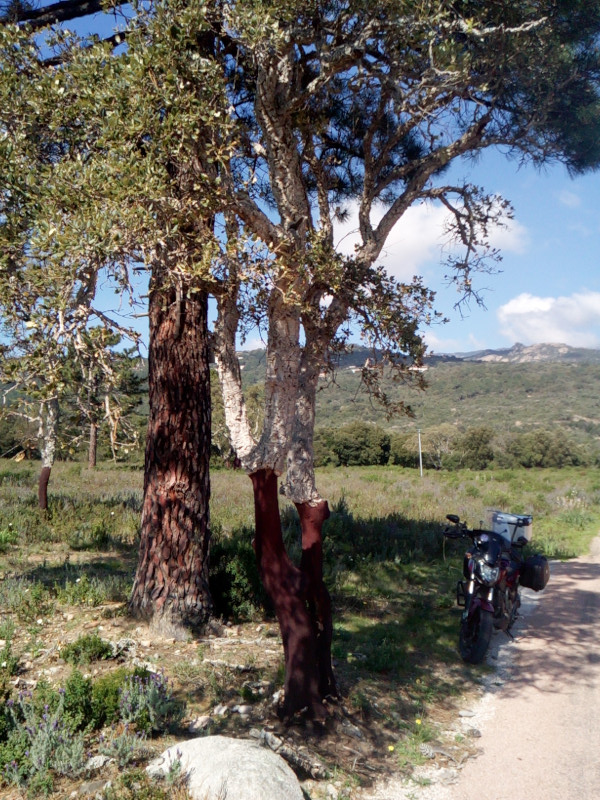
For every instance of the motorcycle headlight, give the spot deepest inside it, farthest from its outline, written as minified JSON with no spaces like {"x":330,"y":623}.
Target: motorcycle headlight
{"x":486,"y":574}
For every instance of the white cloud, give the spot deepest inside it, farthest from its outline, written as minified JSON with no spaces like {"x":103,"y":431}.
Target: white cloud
{"x":569,"y":199}
{"x":419,"y":239}
{"x":573,"y":320}
{"x":439,"y":344}
{"x":510,"y":238}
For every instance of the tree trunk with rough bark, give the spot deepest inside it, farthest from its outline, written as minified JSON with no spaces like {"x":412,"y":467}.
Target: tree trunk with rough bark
{"x":171,"y":583}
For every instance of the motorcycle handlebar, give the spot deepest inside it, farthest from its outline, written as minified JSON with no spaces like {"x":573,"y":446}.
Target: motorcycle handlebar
{"x":454,"y":533}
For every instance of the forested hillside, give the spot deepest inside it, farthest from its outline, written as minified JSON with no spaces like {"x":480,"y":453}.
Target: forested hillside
{"x":534,"y":406}
{"x":561,"y":388}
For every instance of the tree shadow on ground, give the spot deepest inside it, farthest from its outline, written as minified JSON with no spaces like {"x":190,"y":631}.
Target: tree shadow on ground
{"x":559,"y":645}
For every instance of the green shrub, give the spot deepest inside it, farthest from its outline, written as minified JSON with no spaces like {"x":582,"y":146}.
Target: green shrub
{"x":323,"y":447}
{"x":40,"y":741}
{"x":15,"y":764}
{"x":404,"y":450}
{"x":235,"y":583}
{"x":78,"y":706}
{"x":8,"y":537}
{"x":8,"y":661}
{"x":476,"y":448}
{"x":149,"y":704}
{"x":106,"y":695}
{"x":123,"y":745}
{"x":27,"y":599}
{"x":85,"y":649}
{"x":137,"y":785}
{"x":545,"y":449}
{"x":360,"y":444}
{"x":86,"y":591}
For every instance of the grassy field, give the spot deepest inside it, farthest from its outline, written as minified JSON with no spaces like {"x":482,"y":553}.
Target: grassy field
{"x":65,"y":578}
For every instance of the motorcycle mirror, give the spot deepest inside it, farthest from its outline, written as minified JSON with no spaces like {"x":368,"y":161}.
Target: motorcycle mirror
{"x":453,"y":518}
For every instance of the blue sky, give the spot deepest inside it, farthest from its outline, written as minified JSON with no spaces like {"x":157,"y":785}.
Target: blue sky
{"x":548,"y":287}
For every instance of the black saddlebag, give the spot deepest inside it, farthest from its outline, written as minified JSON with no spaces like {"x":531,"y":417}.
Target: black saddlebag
{"x":535,"y":573}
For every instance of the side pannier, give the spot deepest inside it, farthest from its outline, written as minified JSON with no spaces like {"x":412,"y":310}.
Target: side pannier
{"x":535,"y":573}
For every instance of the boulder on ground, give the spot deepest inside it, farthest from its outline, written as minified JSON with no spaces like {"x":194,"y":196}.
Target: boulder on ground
{"x":219,"y":766}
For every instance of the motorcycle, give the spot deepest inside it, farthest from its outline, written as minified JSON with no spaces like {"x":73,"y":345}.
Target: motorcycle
{"x":494,"y":569}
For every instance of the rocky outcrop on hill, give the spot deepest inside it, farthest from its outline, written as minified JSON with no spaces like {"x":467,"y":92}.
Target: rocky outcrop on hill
{"x":522,"y":354}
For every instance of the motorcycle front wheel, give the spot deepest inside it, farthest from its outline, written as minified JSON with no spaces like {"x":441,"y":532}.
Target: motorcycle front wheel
{"x":475,"y":634}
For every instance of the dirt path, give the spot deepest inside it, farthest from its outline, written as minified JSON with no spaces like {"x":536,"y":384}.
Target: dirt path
{"x":539,"y":716}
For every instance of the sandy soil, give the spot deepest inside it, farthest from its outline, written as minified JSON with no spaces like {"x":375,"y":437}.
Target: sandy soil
{"x":539,"y":713}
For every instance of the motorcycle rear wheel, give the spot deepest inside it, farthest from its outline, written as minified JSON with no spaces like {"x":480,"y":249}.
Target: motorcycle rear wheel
{"x":475,"y":635}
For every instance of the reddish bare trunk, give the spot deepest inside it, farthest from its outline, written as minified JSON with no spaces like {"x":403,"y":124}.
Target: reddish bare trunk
{"x":171,"y":584}
{"x":43,"y":488}
{"x":285,"y":585}
{"x":319,"y":601}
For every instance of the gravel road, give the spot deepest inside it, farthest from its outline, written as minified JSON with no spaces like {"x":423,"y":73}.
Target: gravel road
{"x":539,"y":714}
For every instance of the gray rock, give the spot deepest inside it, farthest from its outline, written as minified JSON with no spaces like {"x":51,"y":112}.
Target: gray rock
{"x":219,"y":766}
{"x":97,"y":762}
{"x":200,"y":724}
{"x":244,"y":710}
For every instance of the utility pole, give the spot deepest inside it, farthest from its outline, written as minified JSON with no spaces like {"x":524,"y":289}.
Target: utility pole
{"x":420,"y":453}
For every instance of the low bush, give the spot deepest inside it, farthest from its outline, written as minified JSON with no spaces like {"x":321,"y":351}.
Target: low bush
{"x":106,"y":693}
{"x":85,"y":649}
{"x":148,"y":703}
{"x":27,"y":599}
{"x":40,"y":742}
{"x":235,"y":584}
{"x":42,"y":733}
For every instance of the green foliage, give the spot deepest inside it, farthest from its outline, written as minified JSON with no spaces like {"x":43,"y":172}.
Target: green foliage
{"x":9,"y":662}
{"x":39,"y":741}
{"x":42,"y":734}
{"x":512,"y":399}
{"x":106,"y":694}
{"x":28,"y":600}
{"x":137,"y":785}
{"x":235,"y":584}
{"x":78,"y":702}
{"x":360,"y":444}
{"x":93,"y":591}
{"x":149,"y":703}
{"x":403,"y":450}
{"x":85,"y":649}
{"x":545,"y":449}
{"x":476,"y":447}
{"x":8,"y":537}
{"x":124,"y":745}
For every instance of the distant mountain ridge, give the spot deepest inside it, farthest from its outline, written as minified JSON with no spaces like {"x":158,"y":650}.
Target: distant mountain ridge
{"x":517,"y":354}
{"x":513,"y":389}
{"x":523,"y":354}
